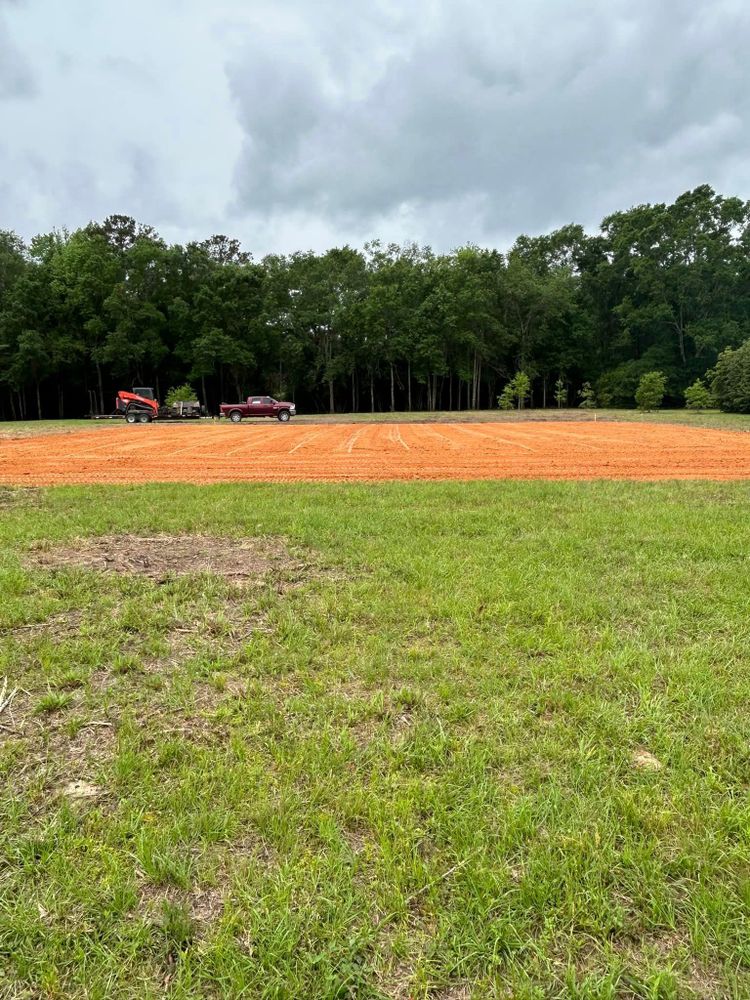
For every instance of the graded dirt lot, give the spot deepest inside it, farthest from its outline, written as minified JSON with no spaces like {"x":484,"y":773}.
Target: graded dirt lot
{"x":374,"y":452}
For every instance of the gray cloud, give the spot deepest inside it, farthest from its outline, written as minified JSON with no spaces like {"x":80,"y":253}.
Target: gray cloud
{"x":537,"y":115}
{"x":16,"y":79}
{"x":297,"y":125}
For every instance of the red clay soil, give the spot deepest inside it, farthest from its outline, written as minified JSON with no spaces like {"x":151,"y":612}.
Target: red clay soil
{"x":374,"y":452}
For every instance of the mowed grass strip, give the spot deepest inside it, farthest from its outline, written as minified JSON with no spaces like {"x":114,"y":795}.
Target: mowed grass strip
{"x":494,"y":744}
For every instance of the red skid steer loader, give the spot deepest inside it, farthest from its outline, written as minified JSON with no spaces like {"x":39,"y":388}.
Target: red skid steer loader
{"x":141,"y":407}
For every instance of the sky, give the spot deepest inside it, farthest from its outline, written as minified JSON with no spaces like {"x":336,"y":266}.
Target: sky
{"x":305,"y":124}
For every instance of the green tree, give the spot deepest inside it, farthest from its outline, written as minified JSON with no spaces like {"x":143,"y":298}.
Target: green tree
{"x":180,"y":394}
{"x":561,"y":392}
{"x":660,"y":287}
{"x":650,"y":392}
{"x":730,"y":379}
{"x":587,"y":396}
{"x":516,"y":392}
{"x":32,"y":362}
{"x":507,"y":400}
{"x":698,"y":396}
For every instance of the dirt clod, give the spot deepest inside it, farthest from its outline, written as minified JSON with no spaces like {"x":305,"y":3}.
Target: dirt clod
{"x":644,"y":760}
{"x":81,"y":790}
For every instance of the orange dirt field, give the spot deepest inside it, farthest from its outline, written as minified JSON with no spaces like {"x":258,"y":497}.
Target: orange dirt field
{"x":367,"y":452}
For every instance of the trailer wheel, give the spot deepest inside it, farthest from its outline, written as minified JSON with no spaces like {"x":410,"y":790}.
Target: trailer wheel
{"x":283,"y":416}
{"x":131,"y":416}
{"x":144,"y":418}
{"x":235,"y":416}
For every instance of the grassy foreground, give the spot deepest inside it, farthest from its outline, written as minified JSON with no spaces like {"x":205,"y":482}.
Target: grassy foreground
{"x":494,"y":746}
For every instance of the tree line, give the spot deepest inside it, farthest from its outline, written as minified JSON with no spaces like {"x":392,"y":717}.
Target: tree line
{"x":658,"y":287}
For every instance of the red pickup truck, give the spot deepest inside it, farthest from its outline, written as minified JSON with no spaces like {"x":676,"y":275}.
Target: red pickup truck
{"x":258,"y":406}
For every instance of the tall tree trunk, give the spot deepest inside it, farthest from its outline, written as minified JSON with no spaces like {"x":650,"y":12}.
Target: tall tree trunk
{"x":450,"y":390}
{"x":203,"y":390}
{"x":38,"y":401}
{"x":101,"y":388}
{"x":354,"y":401}
{"x":681,"y":335}
{"x":544,"y":393}
{"x":331,"y":401}
{"x":393,"y":392}
{"x":408,"y":381}
{"x":60,"y":401}
{"x":12,"y":405}
{"x":372,"y":393}
{"x":681,"y":341}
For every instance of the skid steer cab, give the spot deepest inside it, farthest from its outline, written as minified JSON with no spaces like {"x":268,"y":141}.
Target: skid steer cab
{"x":141,"y":407}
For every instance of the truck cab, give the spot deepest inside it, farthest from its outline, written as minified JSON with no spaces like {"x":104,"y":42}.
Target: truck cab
{"x":258,"y":406}
{"x":261,"y":406}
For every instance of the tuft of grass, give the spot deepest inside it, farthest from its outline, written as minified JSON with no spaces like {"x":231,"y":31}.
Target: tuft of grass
{"x":177,"y":927}
{"x":53,"y":701}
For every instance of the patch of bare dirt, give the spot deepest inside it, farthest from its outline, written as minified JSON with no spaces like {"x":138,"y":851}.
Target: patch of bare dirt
{"x":58,"y":627}
{"x":242,"y":561}
{"x":49,"y":740}
{"x":674,"y":948}
{"x":11,"y":497}
{"x":203,"y":904}
{"x":204,"y":901}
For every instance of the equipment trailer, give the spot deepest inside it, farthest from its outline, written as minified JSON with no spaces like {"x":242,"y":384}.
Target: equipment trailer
{"x":141,"y":407}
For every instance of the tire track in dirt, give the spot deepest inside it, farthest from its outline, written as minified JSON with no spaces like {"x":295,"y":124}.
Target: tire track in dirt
{"x":395,"y":435}
{"x":304,"y":441}
{"x":348,"y":445}
{"x":443,"y":437}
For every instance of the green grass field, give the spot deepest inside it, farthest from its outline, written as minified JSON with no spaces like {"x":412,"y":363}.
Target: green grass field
{"x":493,"y":742}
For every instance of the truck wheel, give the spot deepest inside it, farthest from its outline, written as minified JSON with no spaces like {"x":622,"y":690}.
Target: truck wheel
{"x":131,"y":416}
{"x":235,"y":416}
{"x":144,"y":418}
{"x":283,"y":416}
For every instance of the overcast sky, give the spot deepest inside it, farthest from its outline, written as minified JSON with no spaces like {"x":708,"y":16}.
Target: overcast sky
{"x":298,"y":124}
